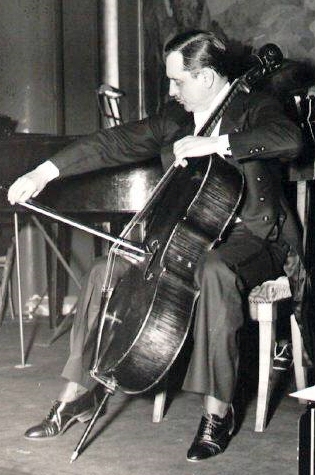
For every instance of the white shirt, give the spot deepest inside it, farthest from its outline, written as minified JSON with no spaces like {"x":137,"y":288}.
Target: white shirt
{"x":200,"y":118}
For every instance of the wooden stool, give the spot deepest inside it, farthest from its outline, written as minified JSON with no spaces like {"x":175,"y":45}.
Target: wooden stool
{"x":263,"y":302}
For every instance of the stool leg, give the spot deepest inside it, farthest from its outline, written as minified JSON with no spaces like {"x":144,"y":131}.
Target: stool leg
{"x":266,"y":316}
{"x":159,"y":405}
{"x":297,"y":350}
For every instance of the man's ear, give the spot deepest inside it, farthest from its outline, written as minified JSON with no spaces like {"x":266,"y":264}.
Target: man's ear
{"x":208,"y":77}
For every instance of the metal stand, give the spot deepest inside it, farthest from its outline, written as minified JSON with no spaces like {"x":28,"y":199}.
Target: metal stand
{"x":17,"y":251}
{"x":54,"y":248}
{"x":66,"y":322}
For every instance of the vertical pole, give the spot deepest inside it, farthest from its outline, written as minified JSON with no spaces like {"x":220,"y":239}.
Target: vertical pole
{"x":140,"y":61}
{"x":17,"y":253}
{"x":109,"y":47}
{"x":110,"y":32}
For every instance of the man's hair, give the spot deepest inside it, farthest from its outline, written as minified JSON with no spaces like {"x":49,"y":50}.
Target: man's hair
{"x":201,"y":49}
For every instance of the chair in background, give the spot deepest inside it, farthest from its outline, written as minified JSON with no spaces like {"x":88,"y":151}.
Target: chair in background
{"x":108,"y":98}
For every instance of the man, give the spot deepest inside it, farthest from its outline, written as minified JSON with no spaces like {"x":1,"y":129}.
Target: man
{"x":254,"y":135}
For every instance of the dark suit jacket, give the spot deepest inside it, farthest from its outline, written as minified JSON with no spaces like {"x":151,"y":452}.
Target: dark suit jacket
{"x":262,"y":139}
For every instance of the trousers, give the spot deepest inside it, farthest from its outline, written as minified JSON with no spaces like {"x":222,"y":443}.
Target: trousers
{"x":224,"y":275}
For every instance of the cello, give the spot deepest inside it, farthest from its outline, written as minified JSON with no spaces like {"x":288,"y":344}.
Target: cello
{"x":145,"y":319}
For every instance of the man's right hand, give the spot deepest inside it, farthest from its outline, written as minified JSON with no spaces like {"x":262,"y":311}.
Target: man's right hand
{"x":32,"y":183}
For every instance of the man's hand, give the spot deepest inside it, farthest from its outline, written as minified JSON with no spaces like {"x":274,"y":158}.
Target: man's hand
{"x":32,"y":183}
{"x":22,"y":189}
{"x":197,"y":146}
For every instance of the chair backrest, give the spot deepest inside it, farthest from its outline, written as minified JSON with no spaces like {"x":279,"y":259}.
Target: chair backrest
{"x":108,"y":102}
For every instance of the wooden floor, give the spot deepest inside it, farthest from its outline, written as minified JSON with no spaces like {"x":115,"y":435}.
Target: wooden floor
{"x":124,"y":440}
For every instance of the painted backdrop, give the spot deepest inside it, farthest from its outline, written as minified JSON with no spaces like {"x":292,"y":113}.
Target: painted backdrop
{"x":288,"y":23}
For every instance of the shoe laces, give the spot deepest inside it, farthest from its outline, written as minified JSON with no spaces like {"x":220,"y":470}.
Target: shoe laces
{"x":211,"y":423}
{"x":54,"y":415}
{"x":284,"y":352}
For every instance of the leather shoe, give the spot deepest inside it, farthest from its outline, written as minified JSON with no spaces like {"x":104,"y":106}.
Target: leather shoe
{"x":212,"y":437}
{"x":62,"y":415}
{"x":283,"y":358}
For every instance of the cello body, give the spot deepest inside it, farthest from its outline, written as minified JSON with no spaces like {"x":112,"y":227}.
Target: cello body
{"x":150,"y":312}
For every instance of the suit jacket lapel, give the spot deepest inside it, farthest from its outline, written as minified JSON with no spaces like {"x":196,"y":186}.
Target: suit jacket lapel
{"x":233,"y":119}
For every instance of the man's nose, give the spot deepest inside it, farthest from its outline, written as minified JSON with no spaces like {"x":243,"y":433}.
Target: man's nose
{"x":172,"y":89}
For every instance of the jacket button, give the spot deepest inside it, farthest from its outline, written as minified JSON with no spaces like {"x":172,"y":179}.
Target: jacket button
{"x":266,"y":218}
{"x":261,"y":198}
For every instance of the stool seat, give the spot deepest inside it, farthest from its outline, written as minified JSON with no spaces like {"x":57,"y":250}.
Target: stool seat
{"x":270,"y":291}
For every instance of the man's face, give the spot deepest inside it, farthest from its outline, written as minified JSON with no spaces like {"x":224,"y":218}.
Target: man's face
{"x":191,"y":91}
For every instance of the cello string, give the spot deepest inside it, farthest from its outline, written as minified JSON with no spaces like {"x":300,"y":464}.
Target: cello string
{"x":105,"y":298}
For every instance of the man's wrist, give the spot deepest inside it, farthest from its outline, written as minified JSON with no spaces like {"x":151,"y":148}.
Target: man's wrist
{"x":47,"y":170}
{"x":224,"y":148}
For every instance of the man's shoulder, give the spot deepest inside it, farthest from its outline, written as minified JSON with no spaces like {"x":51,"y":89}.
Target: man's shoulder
{"x":246,"y":100}
{"x":256,"y":95}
